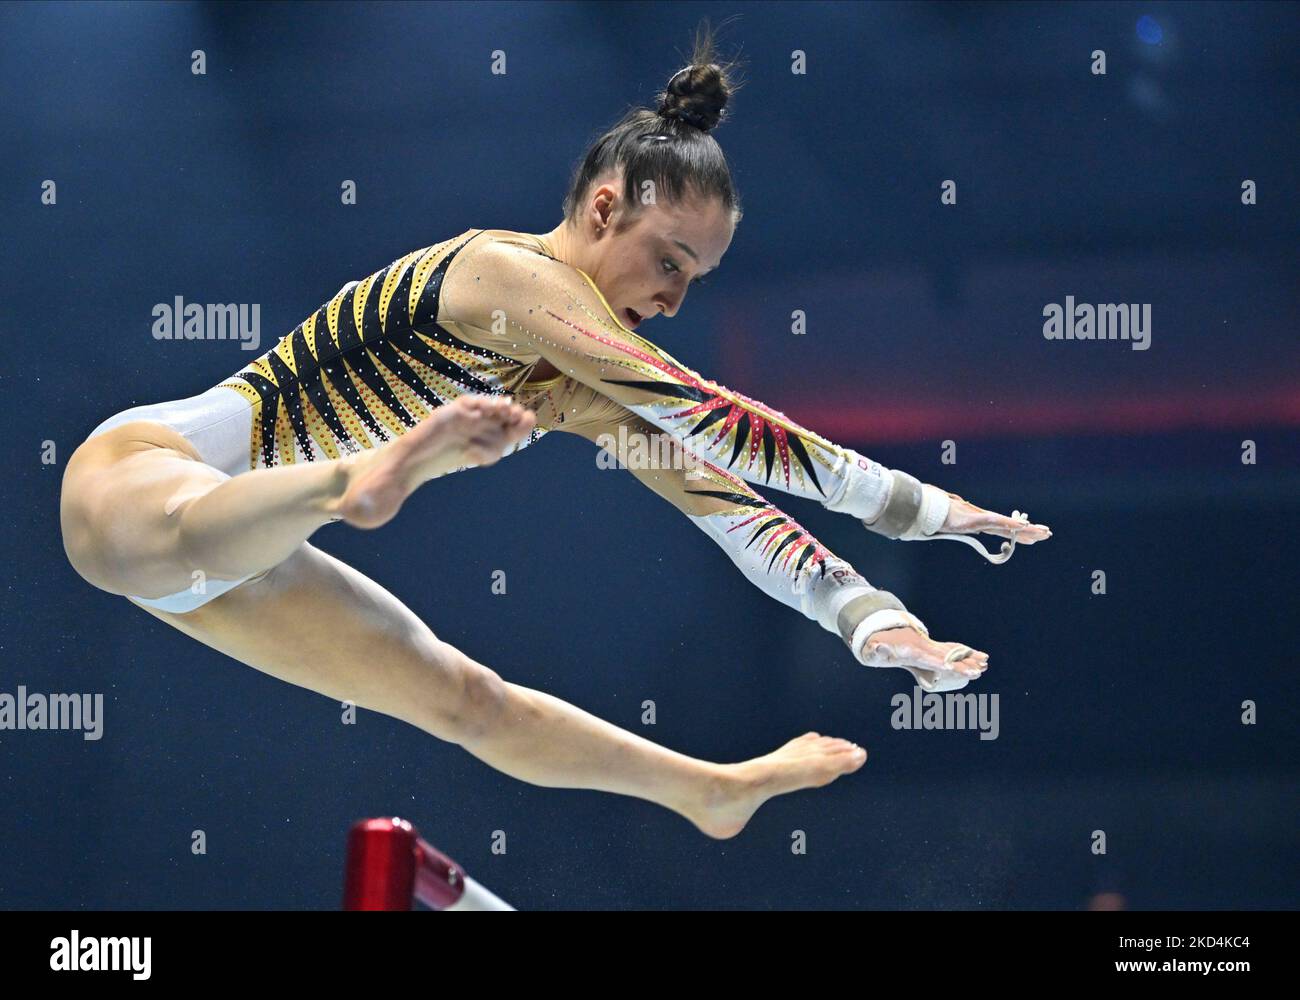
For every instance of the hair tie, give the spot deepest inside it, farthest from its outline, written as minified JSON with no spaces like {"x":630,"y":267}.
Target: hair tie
{"x":692,"y":118}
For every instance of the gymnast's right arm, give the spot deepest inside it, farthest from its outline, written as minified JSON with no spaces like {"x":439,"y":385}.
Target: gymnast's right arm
{"x":557,"y":312}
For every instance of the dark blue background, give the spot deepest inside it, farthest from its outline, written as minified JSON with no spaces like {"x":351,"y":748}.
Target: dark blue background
{"x":1118,"y":713}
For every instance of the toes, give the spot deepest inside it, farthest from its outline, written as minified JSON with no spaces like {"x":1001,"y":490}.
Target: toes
{"x":501,"y":414}
{"x":834,"y":746}
{"x":850,"y":758}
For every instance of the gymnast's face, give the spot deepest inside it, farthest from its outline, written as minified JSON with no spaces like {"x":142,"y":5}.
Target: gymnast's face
{"x":644,"y":261}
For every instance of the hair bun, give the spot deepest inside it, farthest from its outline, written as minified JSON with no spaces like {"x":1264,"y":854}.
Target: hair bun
{"x":697,"y":96}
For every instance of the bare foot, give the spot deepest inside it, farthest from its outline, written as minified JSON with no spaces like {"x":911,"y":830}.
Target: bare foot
{"x":470,"y":430}
{"x":921,"y":656}
{"x":808,"y":761}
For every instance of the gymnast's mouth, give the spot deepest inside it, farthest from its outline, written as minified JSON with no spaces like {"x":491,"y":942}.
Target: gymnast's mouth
{"x":633,"y":317}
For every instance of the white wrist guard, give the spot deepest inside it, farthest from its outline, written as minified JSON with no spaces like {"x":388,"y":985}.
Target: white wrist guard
{"x":915,"y":511}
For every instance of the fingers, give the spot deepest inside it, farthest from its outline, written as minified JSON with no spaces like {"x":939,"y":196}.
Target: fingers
{"x":964,"y":518}
{"x":971,"y":666}
{"x":1005,"y":527}
{"x":1023,"y":532}
{"x":927,"y":659}
{"x":1009,"y":527}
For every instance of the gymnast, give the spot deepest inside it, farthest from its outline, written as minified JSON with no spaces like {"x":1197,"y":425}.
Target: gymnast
{"x":454,"y":356}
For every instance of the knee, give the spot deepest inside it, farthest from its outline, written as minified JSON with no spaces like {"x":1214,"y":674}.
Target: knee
{"x":477,"y":697}
{"x":83,"y":540}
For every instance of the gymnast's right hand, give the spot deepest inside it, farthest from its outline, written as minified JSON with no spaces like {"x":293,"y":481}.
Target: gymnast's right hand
{"x":964,"y":518}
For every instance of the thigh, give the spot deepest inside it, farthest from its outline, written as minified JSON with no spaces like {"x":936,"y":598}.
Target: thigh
{"x":317,"y":622}
{"x":121,"y":491}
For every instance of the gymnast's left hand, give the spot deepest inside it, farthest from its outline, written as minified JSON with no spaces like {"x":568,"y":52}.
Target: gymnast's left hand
{"x":964,"y":518}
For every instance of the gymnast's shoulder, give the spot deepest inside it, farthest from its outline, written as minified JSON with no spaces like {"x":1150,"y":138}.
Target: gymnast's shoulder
{"x":490,"y":270}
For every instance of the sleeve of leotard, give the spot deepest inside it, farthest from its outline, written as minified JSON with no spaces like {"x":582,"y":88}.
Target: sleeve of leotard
{"x":772,"y":550}
{"x":558,"y":312}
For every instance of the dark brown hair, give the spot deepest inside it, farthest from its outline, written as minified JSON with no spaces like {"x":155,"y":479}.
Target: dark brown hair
{"x":671,"y":145}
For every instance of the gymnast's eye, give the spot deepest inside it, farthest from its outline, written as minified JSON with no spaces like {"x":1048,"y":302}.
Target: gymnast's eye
{"x":672,"y":268}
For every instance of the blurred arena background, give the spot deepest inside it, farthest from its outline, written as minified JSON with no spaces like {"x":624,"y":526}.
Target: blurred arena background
{"x":1119,"y":712}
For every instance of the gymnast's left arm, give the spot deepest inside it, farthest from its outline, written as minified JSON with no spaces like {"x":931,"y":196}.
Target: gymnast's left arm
{"x":557,"y":311}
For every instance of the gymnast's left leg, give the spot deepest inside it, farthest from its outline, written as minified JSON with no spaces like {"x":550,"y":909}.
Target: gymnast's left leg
{"x":316,"y":622}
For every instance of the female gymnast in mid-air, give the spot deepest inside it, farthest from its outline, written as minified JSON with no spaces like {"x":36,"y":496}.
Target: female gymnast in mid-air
{"x":453,"y":357}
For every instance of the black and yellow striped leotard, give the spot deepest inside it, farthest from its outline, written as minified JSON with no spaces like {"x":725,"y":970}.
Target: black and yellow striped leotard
{"x":374,"y":361}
